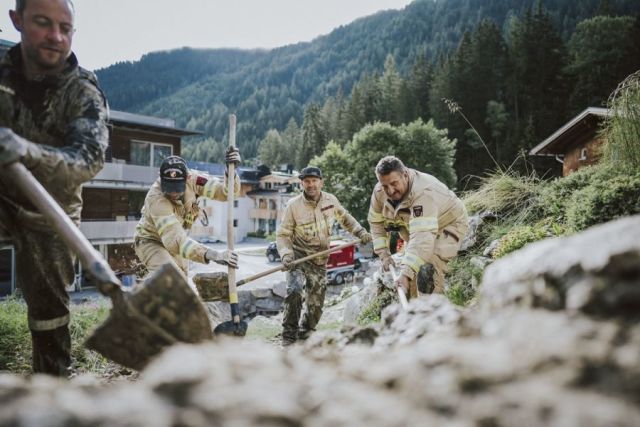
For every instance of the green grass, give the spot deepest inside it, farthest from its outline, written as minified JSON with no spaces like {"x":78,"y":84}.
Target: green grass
{"x":15,"y":338}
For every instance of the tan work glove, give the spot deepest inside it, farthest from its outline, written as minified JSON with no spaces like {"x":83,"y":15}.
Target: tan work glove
{"x":229,"y":258}
{"x":365,"y":237}
{"x":387,"y":262}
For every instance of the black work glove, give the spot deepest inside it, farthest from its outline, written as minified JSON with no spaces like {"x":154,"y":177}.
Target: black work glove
{"x":232,"y":156}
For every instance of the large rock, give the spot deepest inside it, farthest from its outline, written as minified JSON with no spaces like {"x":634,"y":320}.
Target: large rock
{"x":534,"y":354}
{"x":596,"y":272}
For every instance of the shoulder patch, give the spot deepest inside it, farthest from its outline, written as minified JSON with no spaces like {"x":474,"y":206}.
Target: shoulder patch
{"x":201,"y":180}
{"x":417,"y":211}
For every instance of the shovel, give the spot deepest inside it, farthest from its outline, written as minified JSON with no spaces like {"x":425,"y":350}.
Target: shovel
{"x":141,"y":323}
{"x":213,"y":287}
{"x":401,"y":295}
{"x":235,"y":327}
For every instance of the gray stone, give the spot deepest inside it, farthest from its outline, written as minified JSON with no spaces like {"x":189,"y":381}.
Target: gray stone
{"x":591,"y":272}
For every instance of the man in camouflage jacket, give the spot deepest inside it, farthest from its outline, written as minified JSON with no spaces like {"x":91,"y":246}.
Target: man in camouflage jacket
{"x":428,"y":216}
{"x":53,"y":120}
{"x":306,"y":229}
{"x":170,"y":208}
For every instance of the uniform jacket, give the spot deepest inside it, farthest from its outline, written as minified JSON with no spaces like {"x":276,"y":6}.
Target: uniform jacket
{"x":426,"y":210}
{"x":167,"y":221}
{"x":307,"y":226}
{"x":65,"y":117}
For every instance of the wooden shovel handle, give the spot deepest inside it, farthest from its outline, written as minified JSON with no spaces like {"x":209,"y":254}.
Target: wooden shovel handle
{"x":296,"y":262}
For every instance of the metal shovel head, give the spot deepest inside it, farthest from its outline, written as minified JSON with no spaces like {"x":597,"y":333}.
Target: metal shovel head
{"x":231,"y":328}
{"x":163,"y":311}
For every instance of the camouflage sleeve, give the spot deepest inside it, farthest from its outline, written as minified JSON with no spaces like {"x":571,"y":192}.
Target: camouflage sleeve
{"x":423,"y":227}
{"x":346,"y":220}
{"x":174,"y":237}
{"x":212,"y":188}
{"x":284,"y":235}
{"x":86,"y":139}
{"x":376,"y":223}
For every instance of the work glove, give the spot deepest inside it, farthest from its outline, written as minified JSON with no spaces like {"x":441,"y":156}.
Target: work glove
{"x":287,"y":262}
{"x":229,"y":258}
{"x":387,"y":262}
{"x":365,"y":237}
{"x":232,"y":156}
{"x":12,"y":147}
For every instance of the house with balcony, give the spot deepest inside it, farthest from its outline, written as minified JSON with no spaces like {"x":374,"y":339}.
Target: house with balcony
{"x":270,"y":198}
{"x":112,"y":201}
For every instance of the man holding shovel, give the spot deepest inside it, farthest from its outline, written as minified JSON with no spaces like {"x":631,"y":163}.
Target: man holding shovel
{"x":429,"y":217}
{"x":306,"y":229}
{"x":171,"y":207}
{"x":52,"y":120}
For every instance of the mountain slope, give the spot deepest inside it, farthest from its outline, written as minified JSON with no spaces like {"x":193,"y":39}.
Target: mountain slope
{"x":199,"y":88}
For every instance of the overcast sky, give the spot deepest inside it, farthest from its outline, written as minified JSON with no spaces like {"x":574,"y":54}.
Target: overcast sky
{"x":117,"y":30}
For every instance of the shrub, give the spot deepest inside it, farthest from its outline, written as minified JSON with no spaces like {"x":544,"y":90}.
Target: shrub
{"x":373,"y":311}
{"x":603,"y":201}
{"x":622,"y":129}
{"x":462,"y":280}
{"x":506,"y":194}
{"x":555,"y":196}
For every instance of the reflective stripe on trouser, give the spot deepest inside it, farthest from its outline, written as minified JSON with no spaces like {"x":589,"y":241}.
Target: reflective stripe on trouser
{"x":44,"y":268}
{"x":445,"y":249}
{"x":153,"y":255}
{"x":312,"y":279}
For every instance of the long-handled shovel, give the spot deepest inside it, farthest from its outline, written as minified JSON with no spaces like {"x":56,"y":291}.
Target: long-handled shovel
{"x":236,"y":326}
{"x":140,"y":324}
{"x":214,"y":287}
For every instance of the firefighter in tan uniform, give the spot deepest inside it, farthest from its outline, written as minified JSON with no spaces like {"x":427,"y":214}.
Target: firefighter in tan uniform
{"x":428,"y":216}
{"x":306,"y":229}
{"x":170,"y":208}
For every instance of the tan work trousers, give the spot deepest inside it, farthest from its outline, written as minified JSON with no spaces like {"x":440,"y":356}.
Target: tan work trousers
{"x":446,"y":248}
{"x":154,"y":255}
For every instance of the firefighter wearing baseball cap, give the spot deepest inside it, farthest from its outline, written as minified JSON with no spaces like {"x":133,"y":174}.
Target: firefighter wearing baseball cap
{"x":306,"y":228}
{"x":429,"y":217}
{"x":170,"y":209}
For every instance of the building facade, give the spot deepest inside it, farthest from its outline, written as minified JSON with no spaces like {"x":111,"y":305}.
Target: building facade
{"x":576,"y":144}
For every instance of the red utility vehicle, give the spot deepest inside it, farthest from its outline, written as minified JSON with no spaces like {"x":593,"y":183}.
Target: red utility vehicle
{"x":341,"y":265}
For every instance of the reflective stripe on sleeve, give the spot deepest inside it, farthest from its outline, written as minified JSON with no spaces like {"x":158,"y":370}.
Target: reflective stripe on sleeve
{"x":209,"y":189}
{"x":429,"y":223}
{"x":413,"y":261}
{"x":380,"y":243}
{"x":187,"y":247}
{"x":166,"y":221}
{"x":48,"y":325}
{"x":374,"y":216}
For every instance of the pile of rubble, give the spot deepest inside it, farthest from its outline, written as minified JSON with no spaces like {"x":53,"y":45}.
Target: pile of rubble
{"x":554,"y":341}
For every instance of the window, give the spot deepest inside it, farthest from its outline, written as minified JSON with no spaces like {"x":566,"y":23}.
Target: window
{"x":583,"y":154}
{"x":235,"y":223}
{"x":145,"y":153}
{"x":235,"y":203}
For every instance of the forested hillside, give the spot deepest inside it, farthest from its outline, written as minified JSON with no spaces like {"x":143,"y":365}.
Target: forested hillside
{"x":513,"y":66}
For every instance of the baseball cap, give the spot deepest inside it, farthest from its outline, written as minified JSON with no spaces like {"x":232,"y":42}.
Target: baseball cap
{"x":310,"y":171}
{"x":173,"y":175}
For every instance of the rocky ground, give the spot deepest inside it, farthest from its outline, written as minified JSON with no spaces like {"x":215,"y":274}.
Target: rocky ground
{"x":553,"y":341}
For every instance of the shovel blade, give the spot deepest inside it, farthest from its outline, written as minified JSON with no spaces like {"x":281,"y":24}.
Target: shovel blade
{"x":232,"y":328}
{"x":143,"y":322}
{"x":212,"y":286}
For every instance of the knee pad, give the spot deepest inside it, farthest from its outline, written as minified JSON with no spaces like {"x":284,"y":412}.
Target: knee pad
{"x":426,"y":284}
